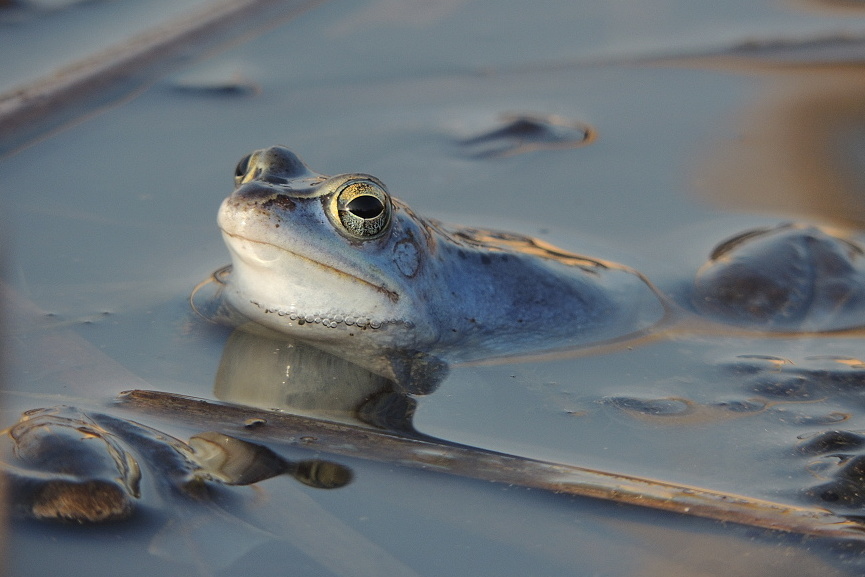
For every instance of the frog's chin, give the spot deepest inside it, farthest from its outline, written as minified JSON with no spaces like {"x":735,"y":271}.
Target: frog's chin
{"x":259,"y":259}
{"x":286,"y":291}
{"x":367,"y":340}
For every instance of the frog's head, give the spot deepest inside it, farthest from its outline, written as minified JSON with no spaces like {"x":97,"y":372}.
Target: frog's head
{"x":324,"y":258}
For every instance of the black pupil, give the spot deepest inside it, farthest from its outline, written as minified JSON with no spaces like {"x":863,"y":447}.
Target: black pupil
{"x":365,"y":206}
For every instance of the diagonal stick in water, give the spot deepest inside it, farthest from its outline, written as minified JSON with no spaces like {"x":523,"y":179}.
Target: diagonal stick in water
{"x":433,"y":454}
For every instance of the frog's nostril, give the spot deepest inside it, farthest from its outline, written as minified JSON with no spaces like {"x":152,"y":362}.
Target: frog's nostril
{"x":241,"y":169}
{"x":242,"y":166}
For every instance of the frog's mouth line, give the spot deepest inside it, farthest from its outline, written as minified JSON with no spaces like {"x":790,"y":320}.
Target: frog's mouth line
{"x":390,"y":294}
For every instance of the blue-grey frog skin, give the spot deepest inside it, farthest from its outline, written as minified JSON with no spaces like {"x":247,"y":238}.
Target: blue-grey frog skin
{"x":338,"y":262}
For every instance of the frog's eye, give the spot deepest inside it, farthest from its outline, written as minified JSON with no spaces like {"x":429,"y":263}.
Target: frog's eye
{"x":241,"y":169}
{"x":363,"y":209}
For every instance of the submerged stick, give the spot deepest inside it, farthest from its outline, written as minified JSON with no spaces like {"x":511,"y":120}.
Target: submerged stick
{"x":428,"y":453}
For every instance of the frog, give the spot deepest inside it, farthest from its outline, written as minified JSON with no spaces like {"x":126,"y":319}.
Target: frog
{"x":339,"y":262}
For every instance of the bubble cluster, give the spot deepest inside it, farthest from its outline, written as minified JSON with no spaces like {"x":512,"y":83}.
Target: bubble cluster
{"x":327,"y":320}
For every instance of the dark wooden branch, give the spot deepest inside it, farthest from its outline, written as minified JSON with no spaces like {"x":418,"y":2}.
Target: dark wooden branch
{"x":432,"y":454}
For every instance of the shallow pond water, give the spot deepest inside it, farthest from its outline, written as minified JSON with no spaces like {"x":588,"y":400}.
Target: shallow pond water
{"x":110,"y":223}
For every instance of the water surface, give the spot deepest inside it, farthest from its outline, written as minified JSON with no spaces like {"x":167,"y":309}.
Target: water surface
{"x":111,"y":222}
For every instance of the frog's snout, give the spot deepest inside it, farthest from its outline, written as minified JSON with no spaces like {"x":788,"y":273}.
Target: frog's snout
{"x":274,"y":165}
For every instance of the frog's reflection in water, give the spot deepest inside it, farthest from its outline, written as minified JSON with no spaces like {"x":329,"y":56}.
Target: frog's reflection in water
{"x":290,"y":376}
{"x":85,"y":466}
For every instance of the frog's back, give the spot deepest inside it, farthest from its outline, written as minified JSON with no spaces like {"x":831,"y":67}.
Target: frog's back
{"x":508,"y":294}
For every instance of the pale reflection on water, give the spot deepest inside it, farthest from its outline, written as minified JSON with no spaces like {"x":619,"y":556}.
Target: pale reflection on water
{"x":295,"y":377}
